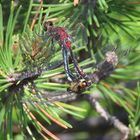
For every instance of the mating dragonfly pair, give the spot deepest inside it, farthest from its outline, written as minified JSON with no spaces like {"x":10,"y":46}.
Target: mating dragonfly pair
{"x":65,"y":41}
{"x":81,"y":80}
{"x":51,"y":34}
{"x":37,"y":49}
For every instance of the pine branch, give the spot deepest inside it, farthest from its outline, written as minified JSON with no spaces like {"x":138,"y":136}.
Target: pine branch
{"x":104,"y":70}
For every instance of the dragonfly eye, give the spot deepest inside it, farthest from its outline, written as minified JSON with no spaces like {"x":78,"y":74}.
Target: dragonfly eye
{"x":47,"y":25}
{"x":83,"y":84}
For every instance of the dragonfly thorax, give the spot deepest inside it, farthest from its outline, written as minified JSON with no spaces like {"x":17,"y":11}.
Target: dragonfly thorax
{"x":61,"y":36}
{"x":58,"y":33}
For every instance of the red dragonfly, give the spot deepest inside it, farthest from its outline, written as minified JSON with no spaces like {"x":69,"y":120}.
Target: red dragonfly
{"x":65,"y":41}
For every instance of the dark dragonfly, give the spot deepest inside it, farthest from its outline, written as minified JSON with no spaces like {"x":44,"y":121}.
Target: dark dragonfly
{"x":60,"y":35}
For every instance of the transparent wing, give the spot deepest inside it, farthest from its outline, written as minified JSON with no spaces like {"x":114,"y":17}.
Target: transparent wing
{"x":113,"y":54}
{"x":36,"y":50}
{"x":79,"y":35}
{"x":77,"y":32}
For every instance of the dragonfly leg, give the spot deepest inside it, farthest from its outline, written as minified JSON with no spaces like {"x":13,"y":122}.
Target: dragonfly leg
{"x":76,"y":65}
{"x":69,"y":74}
{"x":52,"y":47}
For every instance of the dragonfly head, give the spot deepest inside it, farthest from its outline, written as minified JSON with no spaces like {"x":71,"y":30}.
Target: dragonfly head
{"x":47,"y":25}
{"x":79,"y":86}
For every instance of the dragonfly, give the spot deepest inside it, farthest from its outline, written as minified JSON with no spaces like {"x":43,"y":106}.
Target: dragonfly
{"x":60,"y":35}
{"x":41,"y":48}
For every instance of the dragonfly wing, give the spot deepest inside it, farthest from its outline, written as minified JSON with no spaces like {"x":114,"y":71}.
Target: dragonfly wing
{"x":36,"y":50}
{"x":78,"y":35}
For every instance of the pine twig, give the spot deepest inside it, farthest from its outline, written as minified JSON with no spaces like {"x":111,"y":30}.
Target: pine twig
{"x":64,"y":96}
{"x":103,"y":113}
